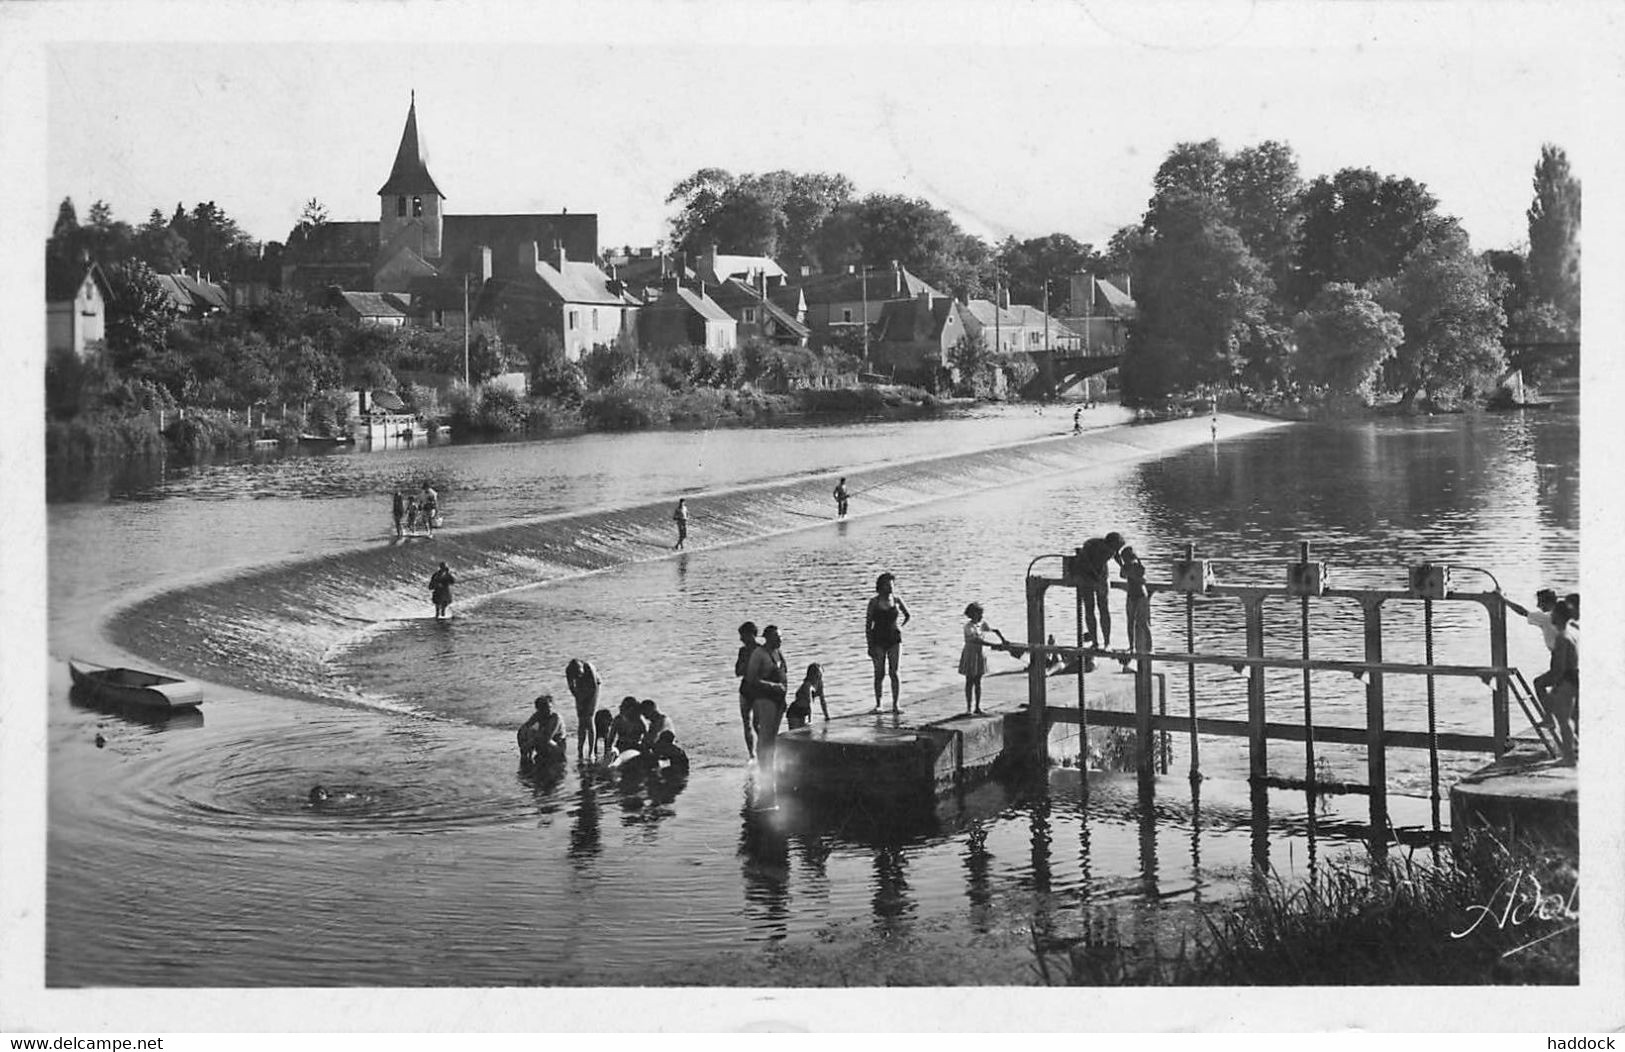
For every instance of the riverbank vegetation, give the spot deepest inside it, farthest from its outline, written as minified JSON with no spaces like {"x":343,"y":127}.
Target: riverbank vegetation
{"x":1483,"y":912}
{"x":1254,"y":287}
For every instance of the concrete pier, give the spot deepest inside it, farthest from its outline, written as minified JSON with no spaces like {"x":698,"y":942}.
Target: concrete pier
{"x":1524,"y":793}
{"x":933,"y":744}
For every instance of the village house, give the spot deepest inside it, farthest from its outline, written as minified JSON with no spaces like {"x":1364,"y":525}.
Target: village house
{"x":584,"y":307}
{"x":913,"y":338}
{"x":758,"y":316}
{"x":386,"y":309}
{"x":1099,"y":311}
{"x":1018,"y":328}
{"x":76,"y":296}
{"x":194,"y":298}
{"x":844,"y":303}
{"x":684,"y":317}
{"x":759,"y":271}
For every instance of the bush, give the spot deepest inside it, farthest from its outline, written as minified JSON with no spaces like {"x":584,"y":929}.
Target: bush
{"x":628,"y":406}
{"x":89,"y":436}
{"x":202,"y":431}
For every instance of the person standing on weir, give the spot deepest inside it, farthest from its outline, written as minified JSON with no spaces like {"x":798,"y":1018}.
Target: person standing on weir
{"x":429,"y":509}
{"x":680,"y":517}
{"x":884,"y":635}
{"x":841,"y":497}
{"x":1096,"y":584}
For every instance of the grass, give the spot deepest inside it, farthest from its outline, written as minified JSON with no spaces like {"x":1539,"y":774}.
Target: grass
{"x":1486,"y":912}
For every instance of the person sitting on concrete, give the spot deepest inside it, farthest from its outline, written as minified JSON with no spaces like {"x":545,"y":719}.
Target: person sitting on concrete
{"x":799,"y":714}
{"x":541,"y":738}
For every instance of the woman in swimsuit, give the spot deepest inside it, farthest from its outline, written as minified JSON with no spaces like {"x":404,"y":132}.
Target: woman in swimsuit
{"x":883,"y":632}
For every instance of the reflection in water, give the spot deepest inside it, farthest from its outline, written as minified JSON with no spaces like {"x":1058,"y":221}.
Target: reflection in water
{"x":156,"y":719}
{"x":978,"y":888}
{"x":585,"y":842}
{"x":1038,"y":822}
{"x":764,"y":863}
{"x":892,"y":903}
{"x":1147,"y":791}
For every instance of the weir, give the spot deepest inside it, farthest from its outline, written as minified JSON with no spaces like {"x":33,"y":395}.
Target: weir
{"x":272,"y":628}
{"x":888,"y":757}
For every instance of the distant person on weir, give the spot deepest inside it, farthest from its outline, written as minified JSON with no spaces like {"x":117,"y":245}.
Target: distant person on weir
{"x":841,"y":497}
{"x":884,"y":635}
{"x":680,"y":517}
{"x":429,"y":508}
{"x":1097,"y":553}
{"x":440,"y":589}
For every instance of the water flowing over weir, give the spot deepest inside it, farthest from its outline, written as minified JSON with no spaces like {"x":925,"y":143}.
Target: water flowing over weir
{"x":273,"y":629}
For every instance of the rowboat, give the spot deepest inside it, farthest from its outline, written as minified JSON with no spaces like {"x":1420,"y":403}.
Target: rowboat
{"x":129,"y":686}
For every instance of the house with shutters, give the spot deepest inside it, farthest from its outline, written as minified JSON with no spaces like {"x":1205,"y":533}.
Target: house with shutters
{"x":584,"y":307}
{"x":759,"y":316}
{"x":686,"y":317}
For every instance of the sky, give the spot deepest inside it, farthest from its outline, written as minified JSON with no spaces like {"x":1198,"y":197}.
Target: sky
{"x":1019,"y":119}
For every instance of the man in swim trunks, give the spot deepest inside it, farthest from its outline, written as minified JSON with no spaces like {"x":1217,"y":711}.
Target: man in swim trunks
{"x":660,"y":739}
{"x":541,"y":738}
{"x":884,"y":635}
{"x":1096,"y":586}
{"x":841,"y":496}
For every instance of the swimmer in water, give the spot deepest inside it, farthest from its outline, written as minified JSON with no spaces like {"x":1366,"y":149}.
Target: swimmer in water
{"x":319,"y":795}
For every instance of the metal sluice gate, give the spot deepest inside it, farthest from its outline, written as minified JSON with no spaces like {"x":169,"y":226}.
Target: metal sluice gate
{"x":1306,"y":582}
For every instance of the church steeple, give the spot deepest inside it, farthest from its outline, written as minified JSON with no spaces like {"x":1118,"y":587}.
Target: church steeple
{"x":410,"y":198}
{"x":410,"y":175}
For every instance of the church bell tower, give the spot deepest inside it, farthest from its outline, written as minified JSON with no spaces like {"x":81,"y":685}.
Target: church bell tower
{"x":409,"y":200}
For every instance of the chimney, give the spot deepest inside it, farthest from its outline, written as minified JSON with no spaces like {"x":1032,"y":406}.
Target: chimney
{"x":1004,"y":298}
{"x":482,"y":263}
{"x":806,"y":270}
{"x":708,"y":260}
{"x":560,"y":255}
{"x":527,"y":256}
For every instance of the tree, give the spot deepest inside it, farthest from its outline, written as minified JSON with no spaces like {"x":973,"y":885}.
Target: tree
{"x":973,"y":360}
{"x":1447,"y":301}
{"x":882,"y":228}
{"x":159,"y":246}
{"x":139,"y":315}
{"x":1263,"y":188}
{"x":1203,"y":299}
{"x":1028,"y":265}
{"x":776,"y":214}
{"x":1554,"y":235}
{"x":213,"y":237}
{"x":67,"y":222}
{"x":1343,"y":338}
{"x":1359,"y":227}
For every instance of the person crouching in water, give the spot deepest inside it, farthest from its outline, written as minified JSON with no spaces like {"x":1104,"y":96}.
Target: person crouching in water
{"x":626,"y":731}
{"x":660,"y":736}
{"x":799,"y":713}
{"x":541,"y":738}
{"x":972,"y":659}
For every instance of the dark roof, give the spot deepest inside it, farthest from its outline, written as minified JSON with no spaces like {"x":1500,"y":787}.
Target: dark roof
{"x":789,"y":298}
{"x":410,"y":175}
{"x":388,"y":401}
{"x":63,"y":278}
{"x":916,"y":320}
{"x":375,"y":304}
{"x":884,"y":283}
{"x":441,"y":293}
{"x":503,"y":234}
{"x":733,"y":294}
{"x":194,"y":294}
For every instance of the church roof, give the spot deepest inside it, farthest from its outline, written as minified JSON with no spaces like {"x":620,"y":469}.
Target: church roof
{"x":410,"y":175}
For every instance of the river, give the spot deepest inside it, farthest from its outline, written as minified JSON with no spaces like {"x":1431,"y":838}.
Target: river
{"x":187,"y":853}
